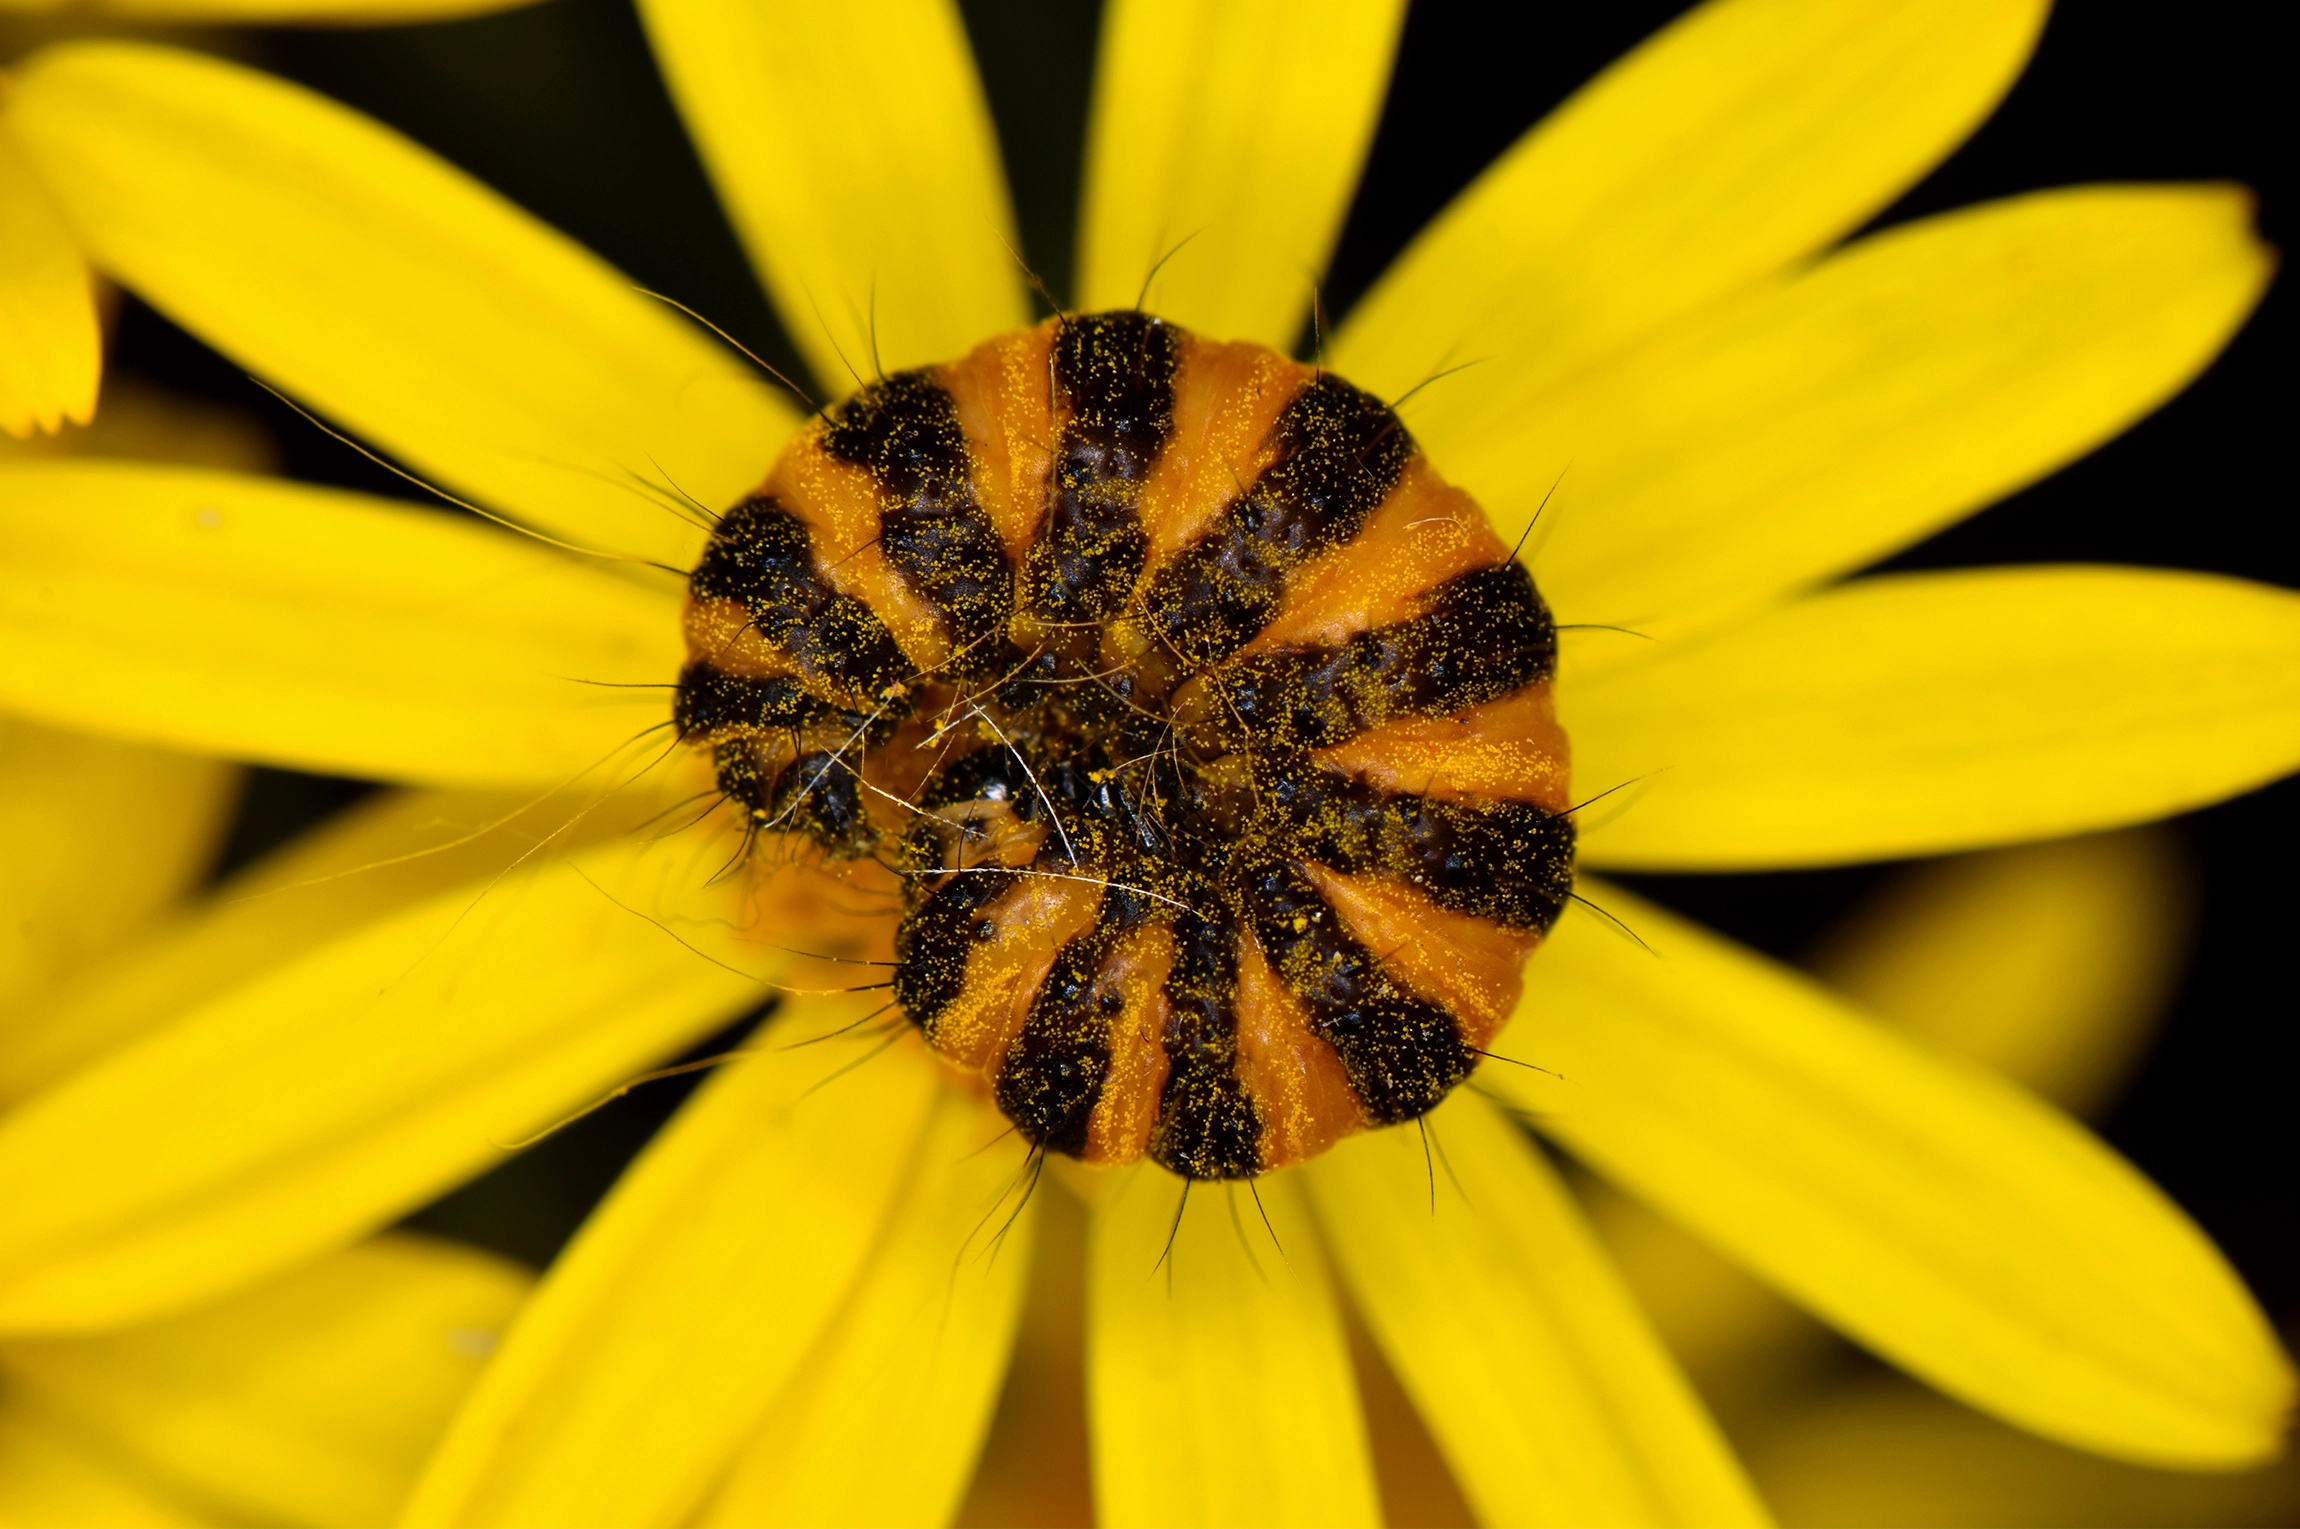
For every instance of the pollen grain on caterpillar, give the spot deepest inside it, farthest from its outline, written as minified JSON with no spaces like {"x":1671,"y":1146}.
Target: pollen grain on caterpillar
{"x":1195,"y":733}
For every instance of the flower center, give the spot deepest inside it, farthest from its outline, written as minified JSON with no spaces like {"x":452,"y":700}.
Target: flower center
{"x":1208,"y":730}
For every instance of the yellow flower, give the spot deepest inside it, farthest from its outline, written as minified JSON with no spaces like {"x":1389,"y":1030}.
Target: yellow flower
{"x":769,"y":1318}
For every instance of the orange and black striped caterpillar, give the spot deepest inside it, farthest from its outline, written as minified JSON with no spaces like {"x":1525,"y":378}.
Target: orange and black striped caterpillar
{"x":1209,"y":731}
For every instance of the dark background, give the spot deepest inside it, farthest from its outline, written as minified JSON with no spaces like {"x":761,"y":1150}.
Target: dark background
{"x":559,"y":107}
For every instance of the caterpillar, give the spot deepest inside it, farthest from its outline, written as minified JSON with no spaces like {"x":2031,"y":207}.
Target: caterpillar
{"x":1209,"y":731}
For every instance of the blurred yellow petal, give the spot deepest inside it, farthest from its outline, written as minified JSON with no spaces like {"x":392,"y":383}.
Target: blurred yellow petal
{"x":50,"y":349}
{"x":853,"y":149}
{"x":146,"y":423}
{"x":1218,"y":1378}
{"x":1417,"y":1486}
{"x":405,"y":848}
{"x":270,"y":12}
{"x":51,"y":1475}
{"x":1036,"y":1465}
{"x":1927,"y":712}
{"x":312,"y":1398}
{"x":695,"y":1293}
{"x":1740,"y":1342}
{"x":1954,"y":1224}
{"x":100,"y":837}
{"x":2050,"y":963}
{"x":322,"y":1098}
{"x":317,"y":629}
{"x":393,"y":293}
{"x":916,"y":1356}
{"x":1746,"y":135}
{"x":1228,"y":134}
{"x":1888,"y":1452}
{"x":1825,"y":422}
{"x":1551,"y":1397}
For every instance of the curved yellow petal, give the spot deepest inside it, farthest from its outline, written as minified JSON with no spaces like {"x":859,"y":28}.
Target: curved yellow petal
{"x":376,"y":860}
{"x":916,"y":1356}
{"x":1228,"y":135}
{"x":1218,"y":1379}
{"x":51,"y":1474}
{"x":396,"y":295}
{"x":694,"y":1294}
{"x":309,"y":1399}
{"x":2051,"y":963}
{"x":1821,"y":423}
{"x":1743,"y":136}
{"x":1548,"y":1392}
{"x":1926,"y":712}
{"x":1954,"y":1224}
{"x":853,"y":148}
{"x":1887,"y":1451}
{"x":51,"y":352}
{"x":100,"y":837}
{"x":322,"y":1098}
{"x":320,"y":630}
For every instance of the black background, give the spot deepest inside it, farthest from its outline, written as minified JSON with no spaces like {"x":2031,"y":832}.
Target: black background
{"x":558,"y":106}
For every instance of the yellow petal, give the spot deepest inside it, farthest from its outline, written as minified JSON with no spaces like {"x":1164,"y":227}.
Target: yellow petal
{"x":1886,"y":1451}
{"x":146,"y":423}
{"x":1222,"y":1396}
{"x":1745,"y":135}
{"x":311,"y":1398}
{"x":1821,"y":423}
{"x":1229,"y":136}
{"x":2051,"y":963}
{"x":1927,"y":712}
{"x":100,"y":837}
{"x":1417,"y":1485}
{"x":322,"y":1098}
{"x":396,"y":295}
{"x":854,"y":151}
{"x":1955,"y":1225}
{"x":376,"y":860}
{"x":50,"y":349}
{"x":1036,"y":1466}
{"x":51,"y":1474}
{"x":917,"y":1355}
{"x":316,"y":629}
{"x":1740,"y":1342}
{"x":693,"y":1295}
{"x":261,"y":12}
{"x":1551,"y":1397}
